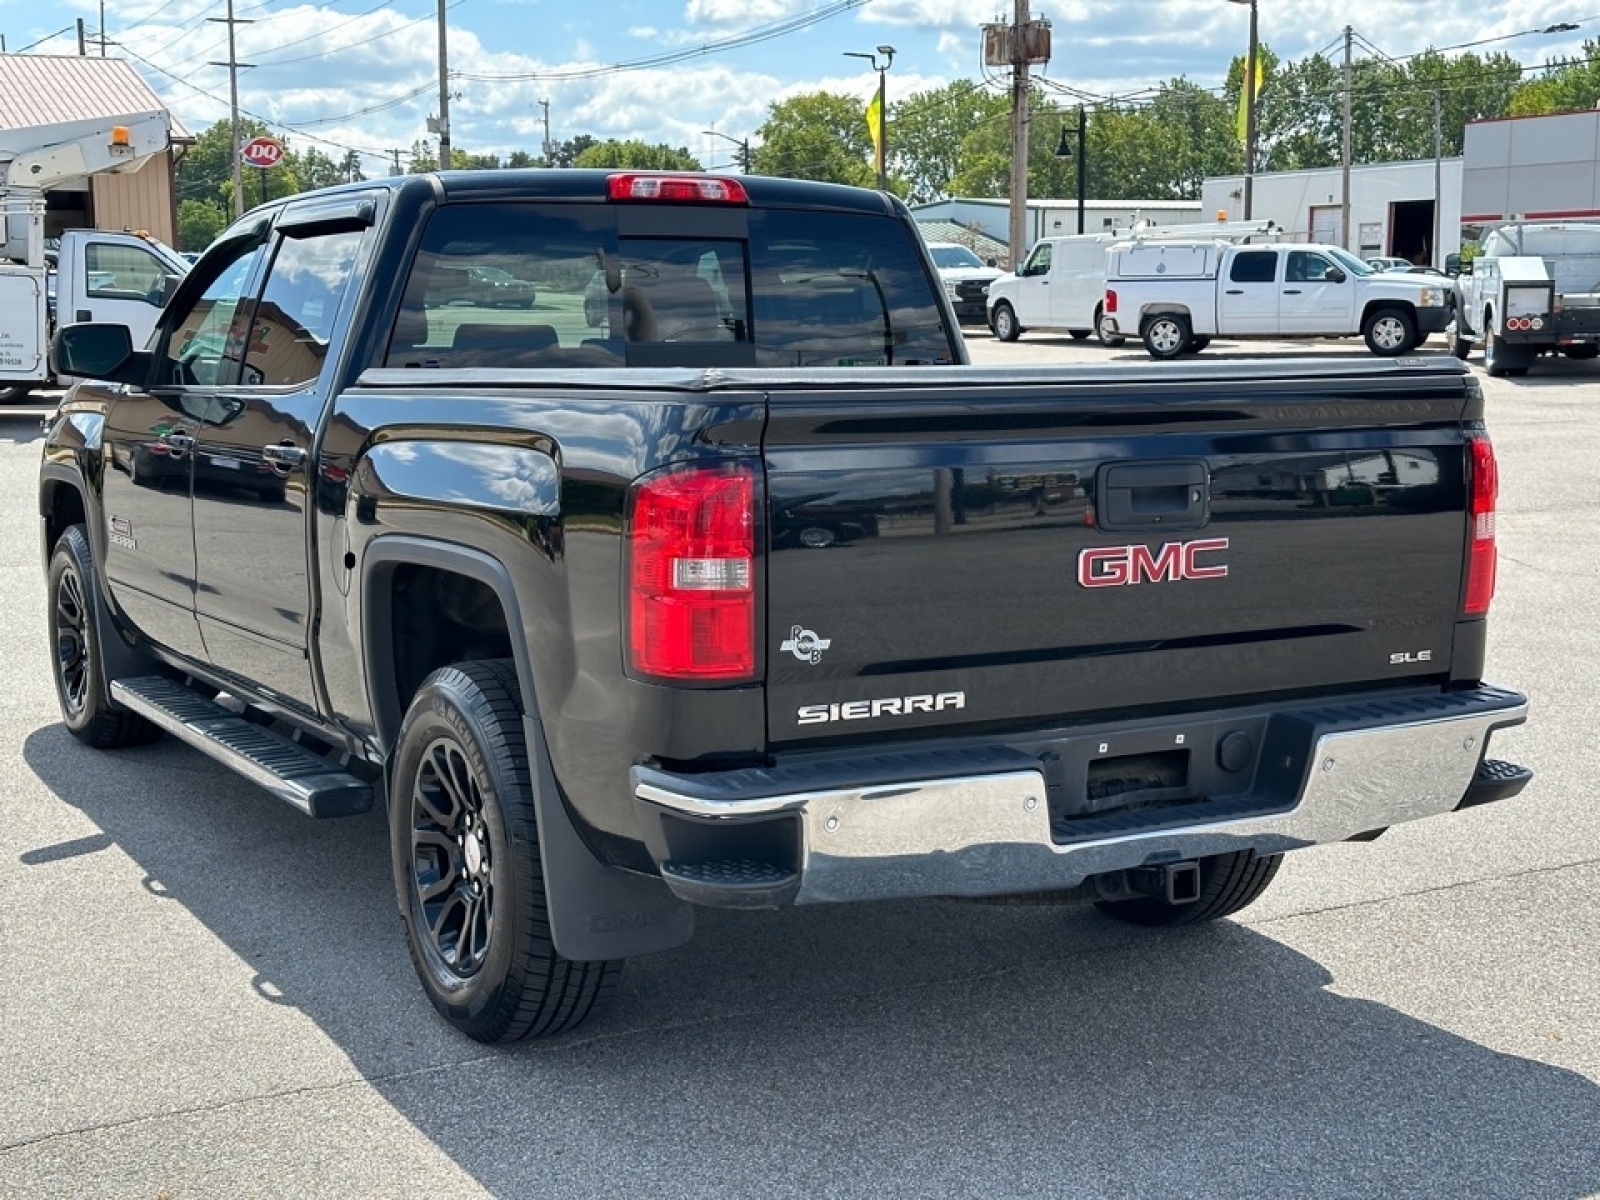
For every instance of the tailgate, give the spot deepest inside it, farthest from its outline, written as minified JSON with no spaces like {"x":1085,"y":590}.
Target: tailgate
{"x":1028,"y":546}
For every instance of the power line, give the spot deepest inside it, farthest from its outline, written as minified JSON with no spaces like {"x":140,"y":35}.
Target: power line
{"x":751,"y":37}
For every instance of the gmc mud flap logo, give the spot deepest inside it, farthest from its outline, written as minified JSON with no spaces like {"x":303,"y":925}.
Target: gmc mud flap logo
{"x":626,"y":919}
{"x":1124,"y":566}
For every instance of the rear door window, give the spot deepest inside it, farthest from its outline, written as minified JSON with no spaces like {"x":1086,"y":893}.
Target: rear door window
{"x":1254,"y":266}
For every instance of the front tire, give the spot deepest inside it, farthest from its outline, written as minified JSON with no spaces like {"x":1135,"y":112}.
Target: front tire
{"x":1004,"y":323}
{"x":1166,"y":335}
{"x":1228,"y":882}
{"x":465,"y":846}
{"x":79,"y":667}
{"x":1389,"y":331}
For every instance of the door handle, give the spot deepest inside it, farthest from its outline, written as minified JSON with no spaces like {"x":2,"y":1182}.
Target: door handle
{"x":283,"y":454}
{"x":178,"y":444}
{"x":1235,"y":291}
{"x":1291,"y":291}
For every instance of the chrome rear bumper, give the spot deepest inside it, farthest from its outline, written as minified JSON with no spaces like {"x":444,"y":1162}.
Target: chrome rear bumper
{"x":991,"y":832}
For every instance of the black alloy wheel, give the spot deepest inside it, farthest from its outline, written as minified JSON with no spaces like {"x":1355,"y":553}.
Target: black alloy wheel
{"x":465,"y":846}
{"x":452,"y":858}
{"x":81,"y":688}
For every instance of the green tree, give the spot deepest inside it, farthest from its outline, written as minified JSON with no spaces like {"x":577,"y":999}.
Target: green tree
{"x":199,"y":222}
{"x":818,"y":135}
{"x":565,"y":154}
{"x":1568,"y":85}
{"x":926,"y":132}
{"x":637,"y":156}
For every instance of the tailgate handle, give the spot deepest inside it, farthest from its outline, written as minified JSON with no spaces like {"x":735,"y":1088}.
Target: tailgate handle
{"x":1153,"y":495}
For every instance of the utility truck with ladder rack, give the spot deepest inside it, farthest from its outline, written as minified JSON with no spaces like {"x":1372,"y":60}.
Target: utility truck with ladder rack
{"x":119,"y":277}
{"x":1535,"y":287}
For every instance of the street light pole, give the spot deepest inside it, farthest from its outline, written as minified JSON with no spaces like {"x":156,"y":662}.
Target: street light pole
{"x":743,"y":158}
{"x":882,"y":140}
{"x":1250,"y":114}
{"x":1064,"y":150}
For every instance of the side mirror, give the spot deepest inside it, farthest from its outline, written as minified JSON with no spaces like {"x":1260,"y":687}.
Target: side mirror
{"x":97,"y":350}
{"x":1335,"y":275}
{"x":991,"y":262}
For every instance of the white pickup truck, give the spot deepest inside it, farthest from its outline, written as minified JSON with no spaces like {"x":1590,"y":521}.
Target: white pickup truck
{"x":1176,"y":295}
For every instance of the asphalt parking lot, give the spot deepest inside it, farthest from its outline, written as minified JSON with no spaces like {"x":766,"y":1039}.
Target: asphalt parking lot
{"x":204,"y":993}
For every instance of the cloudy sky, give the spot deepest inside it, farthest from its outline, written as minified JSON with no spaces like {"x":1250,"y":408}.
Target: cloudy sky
{"x":363,"y":75}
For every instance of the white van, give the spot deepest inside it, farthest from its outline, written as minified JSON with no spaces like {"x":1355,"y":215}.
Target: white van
{"x":1059,"y":288}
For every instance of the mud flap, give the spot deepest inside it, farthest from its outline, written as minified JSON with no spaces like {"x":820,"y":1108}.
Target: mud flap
{"x":596,"y":911}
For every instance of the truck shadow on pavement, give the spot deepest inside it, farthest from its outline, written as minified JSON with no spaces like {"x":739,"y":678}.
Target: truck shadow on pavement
{"x":918,"y":1048}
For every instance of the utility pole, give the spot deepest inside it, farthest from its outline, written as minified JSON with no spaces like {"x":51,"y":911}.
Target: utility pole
{"x":444,"y":94}
{"x":102,"y":28}
{"x":233,"y":64}
{"x":396,"y":170}
{"x":1439,"y":192}
{"x":549,"y":149}
{"x":1017,"y":230}
{"x":1344,"y":157}
{"x":81,"y":49}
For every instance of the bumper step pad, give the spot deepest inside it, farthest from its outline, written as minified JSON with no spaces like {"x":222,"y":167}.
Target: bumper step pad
{"x":731,"y":883}
{"x":1496,"y":780}
{"x":285,"y":768}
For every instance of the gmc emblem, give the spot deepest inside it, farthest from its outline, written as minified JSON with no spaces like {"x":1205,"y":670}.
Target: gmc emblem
{"x":1117,"y":566}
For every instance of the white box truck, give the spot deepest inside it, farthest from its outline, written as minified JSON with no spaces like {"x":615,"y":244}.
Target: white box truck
{"x":91,"y":275}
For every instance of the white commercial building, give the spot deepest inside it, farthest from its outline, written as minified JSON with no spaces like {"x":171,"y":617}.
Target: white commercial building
{"x":1392,"y":206}
{"x":1539,"y":168}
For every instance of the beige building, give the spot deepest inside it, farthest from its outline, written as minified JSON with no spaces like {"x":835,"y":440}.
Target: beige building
{"x":39,"y":90}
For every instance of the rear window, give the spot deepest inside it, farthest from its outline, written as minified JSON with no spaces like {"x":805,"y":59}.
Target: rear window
{"x":549,"y":285}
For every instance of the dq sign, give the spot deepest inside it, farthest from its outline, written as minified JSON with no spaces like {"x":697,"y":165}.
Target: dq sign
{"x":262,"y":152}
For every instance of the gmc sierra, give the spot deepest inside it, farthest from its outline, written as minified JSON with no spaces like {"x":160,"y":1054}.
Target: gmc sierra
{"x":715,"y":577}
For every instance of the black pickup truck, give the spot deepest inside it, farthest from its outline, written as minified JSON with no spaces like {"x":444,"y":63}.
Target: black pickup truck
{"x":707,"y":573}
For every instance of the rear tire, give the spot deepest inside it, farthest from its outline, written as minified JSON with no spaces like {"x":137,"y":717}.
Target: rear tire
{"x":1166,"y":335}
{"x":15,"y":393}
{"x":1103,"y":331}
{"x":1004,"y":323}
{"x":1582,"y":351}
{"x":1228,"y":882}
{"x":465,"y":846}
{"x":1502,"y":358}
{"x":1077,"y":335}
{"x":79,"y":667}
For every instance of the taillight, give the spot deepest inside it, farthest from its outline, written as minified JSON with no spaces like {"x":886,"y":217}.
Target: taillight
{"x":691,"y":544}
{"x":697,"y":189}
{"x":1483,"y":483}
{"x":1111,"y":301}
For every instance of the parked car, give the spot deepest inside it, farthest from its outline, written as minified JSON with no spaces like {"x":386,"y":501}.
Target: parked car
{"x":1403,"y":265}
{"x":482,"y":286}
{"x":966,"y":279}
{"x":1061,"y":287}
{"x":594,"y":638}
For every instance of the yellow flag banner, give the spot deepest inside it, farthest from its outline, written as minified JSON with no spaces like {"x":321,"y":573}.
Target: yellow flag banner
{"x":1244,"y":99}
{"x":875,"y":124}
